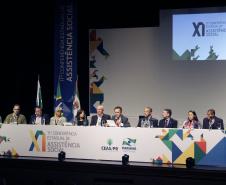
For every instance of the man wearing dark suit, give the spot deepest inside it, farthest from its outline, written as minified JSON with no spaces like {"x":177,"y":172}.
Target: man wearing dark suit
{"x":212,"y":121}
{"x":147,"y":120}
{"x":100,"y":119}
{"x":167,"y":121}
{"x":38,"y":118}
{"x":119,"y":118}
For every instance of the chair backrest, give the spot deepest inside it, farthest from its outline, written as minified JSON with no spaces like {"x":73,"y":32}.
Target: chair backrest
{"x":133,"y":121}
{"x":141,"y":116}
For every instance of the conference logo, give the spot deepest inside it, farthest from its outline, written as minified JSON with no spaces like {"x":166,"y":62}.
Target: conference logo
{"x":109,"y":146}
{"x":199,"y":29}
{"x":214,"y":28}
{"x":129,"y":145}
{"x":39,"y":146}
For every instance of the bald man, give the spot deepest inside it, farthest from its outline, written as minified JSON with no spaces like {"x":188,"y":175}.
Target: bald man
{"x":100,"y":119}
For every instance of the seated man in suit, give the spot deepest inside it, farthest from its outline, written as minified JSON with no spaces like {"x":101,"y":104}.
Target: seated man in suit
{"x":147,"y":120}
{"x":38,"y":118}
{"x":212,"y":121}
{"x":100,"y":119}
{"x":167,"y":121}
{"x":119,"y":118}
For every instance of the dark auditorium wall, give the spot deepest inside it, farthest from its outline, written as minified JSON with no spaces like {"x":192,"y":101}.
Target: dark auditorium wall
{"x":26,"y":52}
{"x":27,"y":43}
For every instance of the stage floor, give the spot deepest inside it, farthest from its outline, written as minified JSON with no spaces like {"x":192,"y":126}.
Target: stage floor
{"x":42,"y":171}
{"x":116,"y":163}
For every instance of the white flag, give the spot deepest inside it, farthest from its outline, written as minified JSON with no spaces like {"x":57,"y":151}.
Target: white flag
{"x":76,"y":102}
{"x":39,"y":95}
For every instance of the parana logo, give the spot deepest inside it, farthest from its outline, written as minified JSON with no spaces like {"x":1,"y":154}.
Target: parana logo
{"x":109,"y":146}
{"x":129,"y":144}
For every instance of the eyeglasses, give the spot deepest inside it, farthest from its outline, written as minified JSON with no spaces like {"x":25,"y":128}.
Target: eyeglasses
{"x":209,"y":114}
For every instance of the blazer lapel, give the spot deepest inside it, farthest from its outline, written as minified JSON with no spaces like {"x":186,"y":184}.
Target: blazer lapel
{"x":151,"y":122}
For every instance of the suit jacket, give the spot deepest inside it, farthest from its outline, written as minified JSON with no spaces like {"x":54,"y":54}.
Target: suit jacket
{"x":104,"y":119}
{"x":124,"y":120}
{"x":20,"y":119}
{"x":44,"y":119}
{"x":217,"y":122}
{"x":82,"y":123}
{"x":153,"y":122}
{"x":171,"y":124}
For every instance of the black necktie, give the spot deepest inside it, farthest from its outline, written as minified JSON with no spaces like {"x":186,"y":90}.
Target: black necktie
{"x":166,"y":121}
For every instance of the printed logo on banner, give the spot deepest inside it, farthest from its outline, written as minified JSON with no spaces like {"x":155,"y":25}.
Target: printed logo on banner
{"x":35,"y":144}
{"x":129,"y":145}
{"x":196,"y":148}
{"x":109,"y":146}
{"x":9,"y":152}
{"x":53,"y":141}
{"x":4,"y":138}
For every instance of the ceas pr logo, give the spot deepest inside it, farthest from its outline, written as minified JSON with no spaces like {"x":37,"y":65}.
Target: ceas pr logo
{"x":109,"y":142}
{"x":109,"y":146}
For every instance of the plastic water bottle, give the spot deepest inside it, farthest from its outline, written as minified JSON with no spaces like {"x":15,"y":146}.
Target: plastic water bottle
{"x":43,"y":122}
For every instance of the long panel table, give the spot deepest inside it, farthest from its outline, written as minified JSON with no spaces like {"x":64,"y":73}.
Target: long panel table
{"x":207,"y":147}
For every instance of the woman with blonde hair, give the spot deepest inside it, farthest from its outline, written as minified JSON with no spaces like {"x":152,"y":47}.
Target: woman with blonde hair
{"x":58,"y":118}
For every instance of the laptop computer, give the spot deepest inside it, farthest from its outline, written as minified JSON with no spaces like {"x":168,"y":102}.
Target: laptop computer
{"x":111,"y":123}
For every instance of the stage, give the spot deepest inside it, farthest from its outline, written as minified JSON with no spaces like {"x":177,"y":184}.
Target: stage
{"x":46,"y":171}
{"x":174,"y":146}
{"x":30,"y":156}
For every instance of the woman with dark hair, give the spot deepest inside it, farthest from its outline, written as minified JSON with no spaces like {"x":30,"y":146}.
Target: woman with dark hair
{"x":80,"y":119}
{"x":192,"y":121}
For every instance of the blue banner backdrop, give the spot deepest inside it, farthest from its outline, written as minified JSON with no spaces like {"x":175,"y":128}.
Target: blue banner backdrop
{"x":65,"y":56}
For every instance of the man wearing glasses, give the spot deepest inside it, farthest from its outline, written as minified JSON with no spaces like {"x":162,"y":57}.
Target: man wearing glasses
{"x":15,"y":117}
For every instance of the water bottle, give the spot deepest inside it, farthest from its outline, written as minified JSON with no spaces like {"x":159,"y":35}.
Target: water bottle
{"x":219,"y":126}
{"x":43,"y":121}
{"x":142,"y":123}
{"x":146,"y":123}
